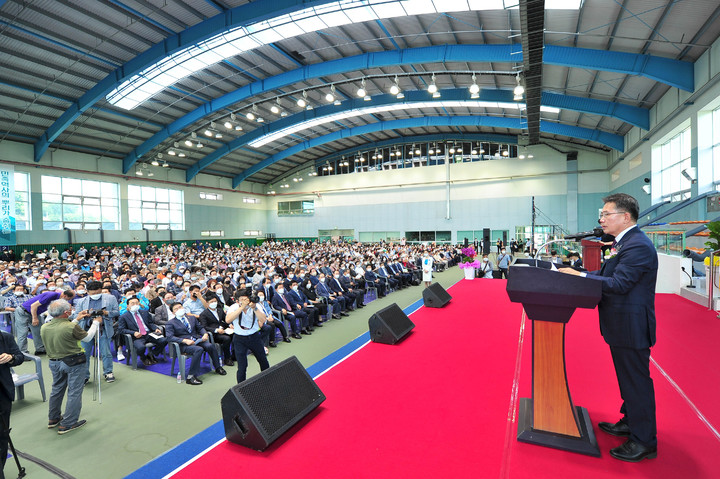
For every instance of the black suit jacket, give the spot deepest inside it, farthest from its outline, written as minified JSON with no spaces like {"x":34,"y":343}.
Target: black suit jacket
{"x":209,"y":322}
{"x":8,"y":345}
{"x":627,"y":307}
{"x":128,"y":325}
{"x":176,"y":331}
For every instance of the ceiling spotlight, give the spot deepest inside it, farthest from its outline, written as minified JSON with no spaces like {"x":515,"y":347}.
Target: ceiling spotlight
{"x":361,"y":91}
{"x":519,"y":89}
{"x":218,"y":135}
{"x":431,"y":151}
{"x":150,"y":173}
{"x":275,"y":109}
{"x":188,"y":143}
{"x":295,"y":180}
{"x":482,"y":150}
{"x":522,"y":157}
{"x":228,"y":125}
{"x":155,"y":162}
{"x":208,"y":132}
{"x":531,"y":156}
{"x":237,"y":128}
{"x":181,"y":154}
{"x":474,"y":88}
{"x":432,"y":88}
{"x":165,"y":164}
{"x":473,"y":152}
{"x":200,"y":145}
{"x":138,"y":171}
{"x":250,"y":116}
{"x":505,"y":153}
{"x":330,"y":97}
{"x":452,"y":151}
{"x":417,"y":152}
{"x":283,"y":113}
{"x":172,"y":152}
{"x":436,"y":94}
{"x":395,"y":88}
{"x":260,"y":119}
{"x":301,"y":102}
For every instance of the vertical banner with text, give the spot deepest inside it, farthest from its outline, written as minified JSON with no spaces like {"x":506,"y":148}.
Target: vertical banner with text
{"x":7,"y":206}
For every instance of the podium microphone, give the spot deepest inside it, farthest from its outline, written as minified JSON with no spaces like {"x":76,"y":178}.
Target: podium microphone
{"x":691,"y":285}
{"x":585,"y":234}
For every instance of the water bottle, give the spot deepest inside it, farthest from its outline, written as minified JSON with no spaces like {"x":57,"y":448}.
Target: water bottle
{"x":179,"y":378}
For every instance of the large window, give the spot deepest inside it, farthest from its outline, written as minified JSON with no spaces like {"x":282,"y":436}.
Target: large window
{"x":155,"y":208}
{"x":296,"y":208}
{"x":674,"y":158}
{"x":428,"y":236}
{"x":22,"y":202}
{"x":716,"y":146}
{"x":79,"y":204}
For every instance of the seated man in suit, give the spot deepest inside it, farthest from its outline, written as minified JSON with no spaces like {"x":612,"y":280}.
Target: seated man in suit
{"x":387,"y":277}
{"x":350,"y":285}
{"x":163,"y":313}
{"x":336,"y":302}
{"x":299,"y":301}
{"x":372,"y":281}
{"x":213,"y":321}
{"x":193,"y":339}
{"x":282,"y":303}
{"x":404,"y":276}
{"x":574,"y":259}
{"x":337,"y":288}
{"x":307,"y":289}
{"x":137,"y":323}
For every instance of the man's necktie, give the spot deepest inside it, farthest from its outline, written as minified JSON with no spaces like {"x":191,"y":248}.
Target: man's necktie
{"x":141,"y":327}
{"x":287,"y":305}
{"x":186,"y":323}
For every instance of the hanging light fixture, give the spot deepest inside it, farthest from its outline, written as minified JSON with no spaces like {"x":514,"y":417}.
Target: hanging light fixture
{"x":302,"y":102}
{"x":432,"y":88}
{"x":474,"y":88}
{"x":330,"y":97}
{"x":395,"y":89}
{"x":361,"y":92}
{"x":519,"y":89}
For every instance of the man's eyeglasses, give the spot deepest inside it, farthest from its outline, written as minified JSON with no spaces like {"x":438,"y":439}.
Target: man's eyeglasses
{"x":605,"y":214}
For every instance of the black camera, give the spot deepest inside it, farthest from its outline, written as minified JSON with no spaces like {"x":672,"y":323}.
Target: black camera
{"x":94,"y":313}
{"x":254,"y":298}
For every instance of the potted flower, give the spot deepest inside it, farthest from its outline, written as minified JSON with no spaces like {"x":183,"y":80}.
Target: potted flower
{"x":469,"y":262}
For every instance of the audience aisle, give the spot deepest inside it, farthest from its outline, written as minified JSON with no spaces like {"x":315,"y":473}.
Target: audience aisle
{"x":144,"y":414}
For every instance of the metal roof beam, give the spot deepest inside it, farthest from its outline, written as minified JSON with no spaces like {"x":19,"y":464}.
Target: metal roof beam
{"x":432,"y":121}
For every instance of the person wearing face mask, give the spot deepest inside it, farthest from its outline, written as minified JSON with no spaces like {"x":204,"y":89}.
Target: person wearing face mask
{"x":95,"y":300}
{"x":27,"y":317}
{"x":372,"y":281}
{"x":350,"y":285}
{"x":247,"y":319}
{"x":194,"y":340}
{"x":213,"y":320}
{"x":333,"y":283}
{"x":15,"y":299}
{"x":336,"y":303}
{"x":486,"y":268}
{"x":268,"y":331}
{"x":427,"y":268}
{"x":138,"y":324}
{"x":299,"y":322}
{"x":504,"y":261}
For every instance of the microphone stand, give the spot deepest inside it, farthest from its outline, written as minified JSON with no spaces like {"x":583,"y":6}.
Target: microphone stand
{"x":691,"y":285}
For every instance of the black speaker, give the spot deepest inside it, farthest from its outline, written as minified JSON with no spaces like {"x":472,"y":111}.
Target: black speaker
{"x":389,"y":325}
{"x":260,"y":409}
{"x":486,"y":241}
{"x":435,"y":296}
{"x":466,"y":242}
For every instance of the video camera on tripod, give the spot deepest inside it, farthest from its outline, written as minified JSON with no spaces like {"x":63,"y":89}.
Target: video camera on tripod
{"x":92,"y":314}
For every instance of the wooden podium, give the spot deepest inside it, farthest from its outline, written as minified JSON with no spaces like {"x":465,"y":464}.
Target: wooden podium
{"x":592,"y":254}
{"x":550,"y":298}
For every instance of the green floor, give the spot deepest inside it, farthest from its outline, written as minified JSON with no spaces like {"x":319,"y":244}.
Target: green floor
{"x":144,"y":414}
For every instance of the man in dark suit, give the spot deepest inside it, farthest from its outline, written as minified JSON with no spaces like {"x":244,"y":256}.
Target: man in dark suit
{"x":213,"y":320}
{"x":350,"y":285}
{"x":299,"y":301}
{"x":372,"y":281}
{"x":138,"y":324}
{"x":193,"y":339}
{"x":10,"y":356}
{"x":163,"y":313}
{"x":336,"y":287}
{"x":282,"y":303}
{"x":336,"y":302}
{"x":627,"y":323}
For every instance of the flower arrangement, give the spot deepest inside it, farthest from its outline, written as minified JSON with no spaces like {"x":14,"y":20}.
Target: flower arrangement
{"x":468,"y":260}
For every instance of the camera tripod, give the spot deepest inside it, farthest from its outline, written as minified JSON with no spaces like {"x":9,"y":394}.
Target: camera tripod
{"x":21,"y":470}
{"x":97,"y":393}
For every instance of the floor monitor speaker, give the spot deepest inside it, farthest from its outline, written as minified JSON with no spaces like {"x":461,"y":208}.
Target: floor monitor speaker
{"x":250,"y":411}
{"x":435,"y":296}
{"x":389,"y":325}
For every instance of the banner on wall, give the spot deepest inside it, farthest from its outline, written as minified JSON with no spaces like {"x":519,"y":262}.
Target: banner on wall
{"x":7,"y":205}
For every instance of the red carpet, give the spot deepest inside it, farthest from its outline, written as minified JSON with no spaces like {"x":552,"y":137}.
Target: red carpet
{"x":436,"y":404}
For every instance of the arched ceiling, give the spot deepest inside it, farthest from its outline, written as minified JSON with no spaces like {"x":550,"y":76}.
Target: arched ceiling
{"x":74,"y":73}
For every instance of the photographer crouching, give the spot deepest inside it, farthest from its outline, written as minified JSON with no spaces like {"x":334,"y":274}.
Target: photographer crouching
{"x":105,"y":305}
{"x":67,"y":363}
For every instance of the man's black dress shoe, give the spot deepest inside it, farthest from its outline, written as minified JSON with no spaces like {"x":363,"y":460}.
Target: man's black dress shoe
{"x":336,"y":316}
{"x":632,"y":451}
{"x":193,"y":380}
{"x":305,"y":331}
{"x":318,"y":325}
{"x":619,"y":429}
{"x":286,"y":340}
{"x":273,"y":344}
{"x":296,"y":336}
{"x":344,"y":314}
{"x":221,"y":371}
{"x":229,"y":362}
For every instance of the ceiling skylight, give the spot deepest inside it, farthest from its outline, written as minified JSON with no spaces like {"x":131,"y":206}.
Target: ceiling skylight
{"x":269,"y":138}
{"x":171,"y":69}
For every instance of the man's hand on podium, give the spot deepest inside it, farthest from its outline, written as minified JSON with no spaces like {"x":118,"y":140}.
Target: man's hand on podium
{"x":571,"y":271}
